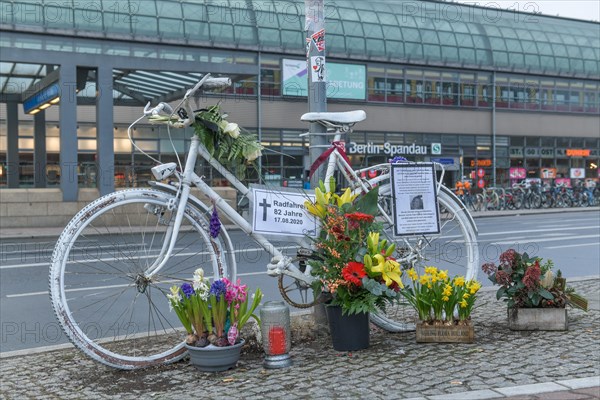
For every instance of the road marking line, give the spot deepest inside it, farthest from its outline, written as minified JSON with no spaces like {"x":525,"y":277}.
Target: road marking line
{"x":539,"y":230}
{"x":251,"y":249}
{"x":553,"y":239}
{"x":572,"y":245}
{"x":47,"y":292}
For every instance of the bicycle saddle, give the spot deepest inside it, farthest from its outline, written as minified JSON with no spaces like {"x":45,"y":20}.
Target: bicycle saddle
{"x":348,"y":117}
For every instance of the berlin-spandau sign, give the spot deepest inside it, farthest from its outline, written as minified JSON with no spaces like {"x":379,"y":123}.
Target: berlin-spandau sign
{"x":386,"y":148}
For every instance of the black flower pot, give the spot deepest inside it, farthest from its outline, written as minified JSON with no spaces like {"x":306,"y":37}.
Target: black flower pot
{"x":348,"y":332}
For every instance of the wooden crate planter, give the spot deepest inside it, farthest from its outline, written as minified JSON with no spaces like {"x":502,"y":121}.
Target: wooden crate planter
{"x":537,"y":319}
{"x":445,"y":333}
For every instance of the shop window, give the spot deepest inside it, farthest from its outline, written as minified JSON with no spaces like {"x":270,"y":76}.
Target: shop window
{"x":414,"y":83}
{"x":467,"y":90}
{"x":502,"y":92}
{"x":562,"y":96}
{"x":547,"y":95}
{"x":449,"y":89}
{"x":432,"y":87}
{"x":484,"y":90}
{"x":395,"y":85}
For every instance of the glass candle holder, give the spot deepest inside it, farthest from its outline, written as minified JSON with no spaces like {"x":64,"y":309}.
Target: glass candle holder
{"x":276,"y":334}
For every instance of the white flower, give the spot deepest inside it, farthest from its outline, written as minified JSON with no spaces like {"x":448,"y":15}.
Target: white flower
{"x":174,"y":297}
{"x":198,"y":275}
{"x":232,"y":129}
{"x":254,"y":154}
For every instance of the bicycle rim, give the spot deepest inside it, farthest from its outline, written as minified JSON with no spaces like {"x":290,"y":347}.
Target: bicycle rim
{"x":101,"y":295}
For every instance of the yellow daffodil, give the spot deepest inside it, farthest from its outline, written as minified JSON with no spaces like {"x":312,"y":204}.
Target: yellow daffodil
{"x":434,"y":278}
{"x":389,"y":269}
{"x":466,"y":296}
{"x":447,"y":290}
{"x":474,"y":287}
{"x":424,"y":279}
{"x":446,"y":298}
{"x":431,"y":270}
{"x":347,"y":197}
{"x":413,"y":274}
{"x":463,"y":304}
{"x":459,"y":281}
{"x":443,"y":275}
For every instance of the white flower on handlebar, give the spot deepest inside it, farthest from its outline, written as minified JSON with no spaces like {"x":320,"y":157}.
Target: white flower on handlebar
{"x":253,"y":155}
{"x":232,"y":129}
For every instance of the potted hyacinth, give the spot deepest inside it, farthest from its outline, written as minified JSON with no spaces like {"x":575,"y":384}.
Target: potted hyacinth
{"x":443,"y":304}
{"x":213,"y":316}
{"x":535,"y":296}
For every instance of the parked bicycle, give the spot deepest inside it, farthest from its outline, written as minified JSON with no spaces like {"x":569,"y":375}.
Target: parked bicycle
{"x":114,"y":262}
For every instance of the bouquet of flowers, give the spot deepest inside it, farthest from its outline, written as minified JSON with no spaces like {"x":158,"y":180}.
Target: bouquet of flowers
{"x":435,"y":296}
{"x":232,"y":146}
{"x":354,"y":266}
{"x":529,"y":282}
{"x":213,"y":313}
{"x":226,"y":141}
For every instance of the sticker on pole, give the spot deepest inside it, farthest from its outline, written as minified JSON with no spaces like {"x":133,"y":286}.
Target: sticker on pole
{"x":318,"y":39}
{"x":282,"y":212}
{"x":414,"y":189}
{"x":317,"y":69}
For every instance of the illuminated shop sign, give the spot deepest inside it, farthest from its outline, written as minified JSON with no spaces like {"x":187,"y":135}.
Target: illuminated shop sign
{"x":481,"y":163}
{"x":385,"y":148}
{"x":578,"y":152}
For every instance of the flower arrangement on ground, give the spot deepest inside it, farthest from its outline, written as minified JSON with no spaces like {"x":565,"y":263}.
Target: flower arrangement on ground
{"x":213,"y":313}
{"x":529,"y":282}
{"x":439,"y":299}
{"x":355,"y":267}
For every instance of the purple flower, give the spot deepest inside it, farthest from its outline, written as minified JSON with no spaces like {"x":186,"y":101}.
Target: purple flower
{"x":218,"y":288}
{"x":187,"y":289}
{"x":215,"y":223}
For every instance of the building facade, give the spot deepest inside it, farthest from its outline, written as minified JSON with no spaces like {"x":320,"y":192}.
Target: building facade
{"x":496,"y":95}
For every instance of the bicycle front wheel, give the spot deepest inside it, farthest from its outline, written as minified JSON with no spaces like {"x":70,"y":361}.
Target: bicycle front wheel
{"x":108,"y":304}
{"x":454,"y":248}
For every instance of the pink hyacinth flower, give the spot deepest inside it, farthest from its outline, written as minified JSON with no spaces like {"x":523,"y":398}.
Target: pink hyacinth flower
{"x":232,"y":335}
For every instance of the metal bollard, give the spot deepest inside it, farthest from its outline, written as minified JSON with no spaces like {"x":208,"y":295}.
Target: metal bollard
{"x":276,"y":334}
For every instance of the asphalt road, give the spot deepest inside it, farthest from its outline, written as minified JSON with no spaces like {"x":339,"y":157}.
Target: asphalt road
{"x":571,"y":240}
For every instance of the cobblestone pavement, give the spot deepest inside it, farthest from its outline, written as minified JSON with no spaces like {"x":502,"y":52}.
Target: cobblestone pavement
{"x":393,"y":367}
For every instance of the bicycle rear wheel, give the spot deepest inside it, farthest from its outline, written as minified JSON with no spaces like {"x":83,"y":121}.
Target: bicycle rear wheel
{"x":455,"y":248}
{"x":99,"y":286}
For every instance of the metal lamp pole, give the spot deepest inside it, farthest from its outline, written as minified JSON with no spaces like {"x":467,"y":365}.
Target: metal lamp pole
{"x":315,"y":62}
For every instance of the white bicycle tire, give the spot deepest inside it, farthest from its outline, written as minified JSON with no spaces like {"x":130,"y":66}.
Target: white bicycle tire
{"x":65,"y":260}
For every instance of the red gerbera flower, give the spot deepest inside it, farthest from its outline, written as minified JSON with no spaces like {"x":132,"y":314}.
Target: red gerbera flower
{"x":354,"y":272}
{"x":358,"y":216}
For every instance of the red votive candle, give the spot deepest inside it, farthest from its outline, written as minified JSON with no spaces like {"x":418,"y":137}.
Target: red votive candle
{"x":277,"y":340}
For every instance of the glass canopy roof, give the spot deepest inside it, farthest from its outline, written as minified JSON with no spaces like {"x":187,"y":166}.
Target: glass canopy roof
{"x":429,"y":32}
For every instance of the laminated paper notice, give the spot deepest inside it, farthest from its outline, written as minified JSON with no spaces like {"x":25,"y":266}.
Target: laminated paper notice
{"x":414,"y":190}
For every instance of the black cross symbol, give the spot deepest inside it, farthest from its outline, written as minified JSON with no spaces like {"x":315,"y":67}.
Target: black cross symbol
{"x":264,"y":205}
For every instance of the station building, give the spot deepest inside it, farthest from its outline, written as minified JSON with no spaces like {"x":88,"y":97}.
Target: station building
{"x":497,"y":95}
